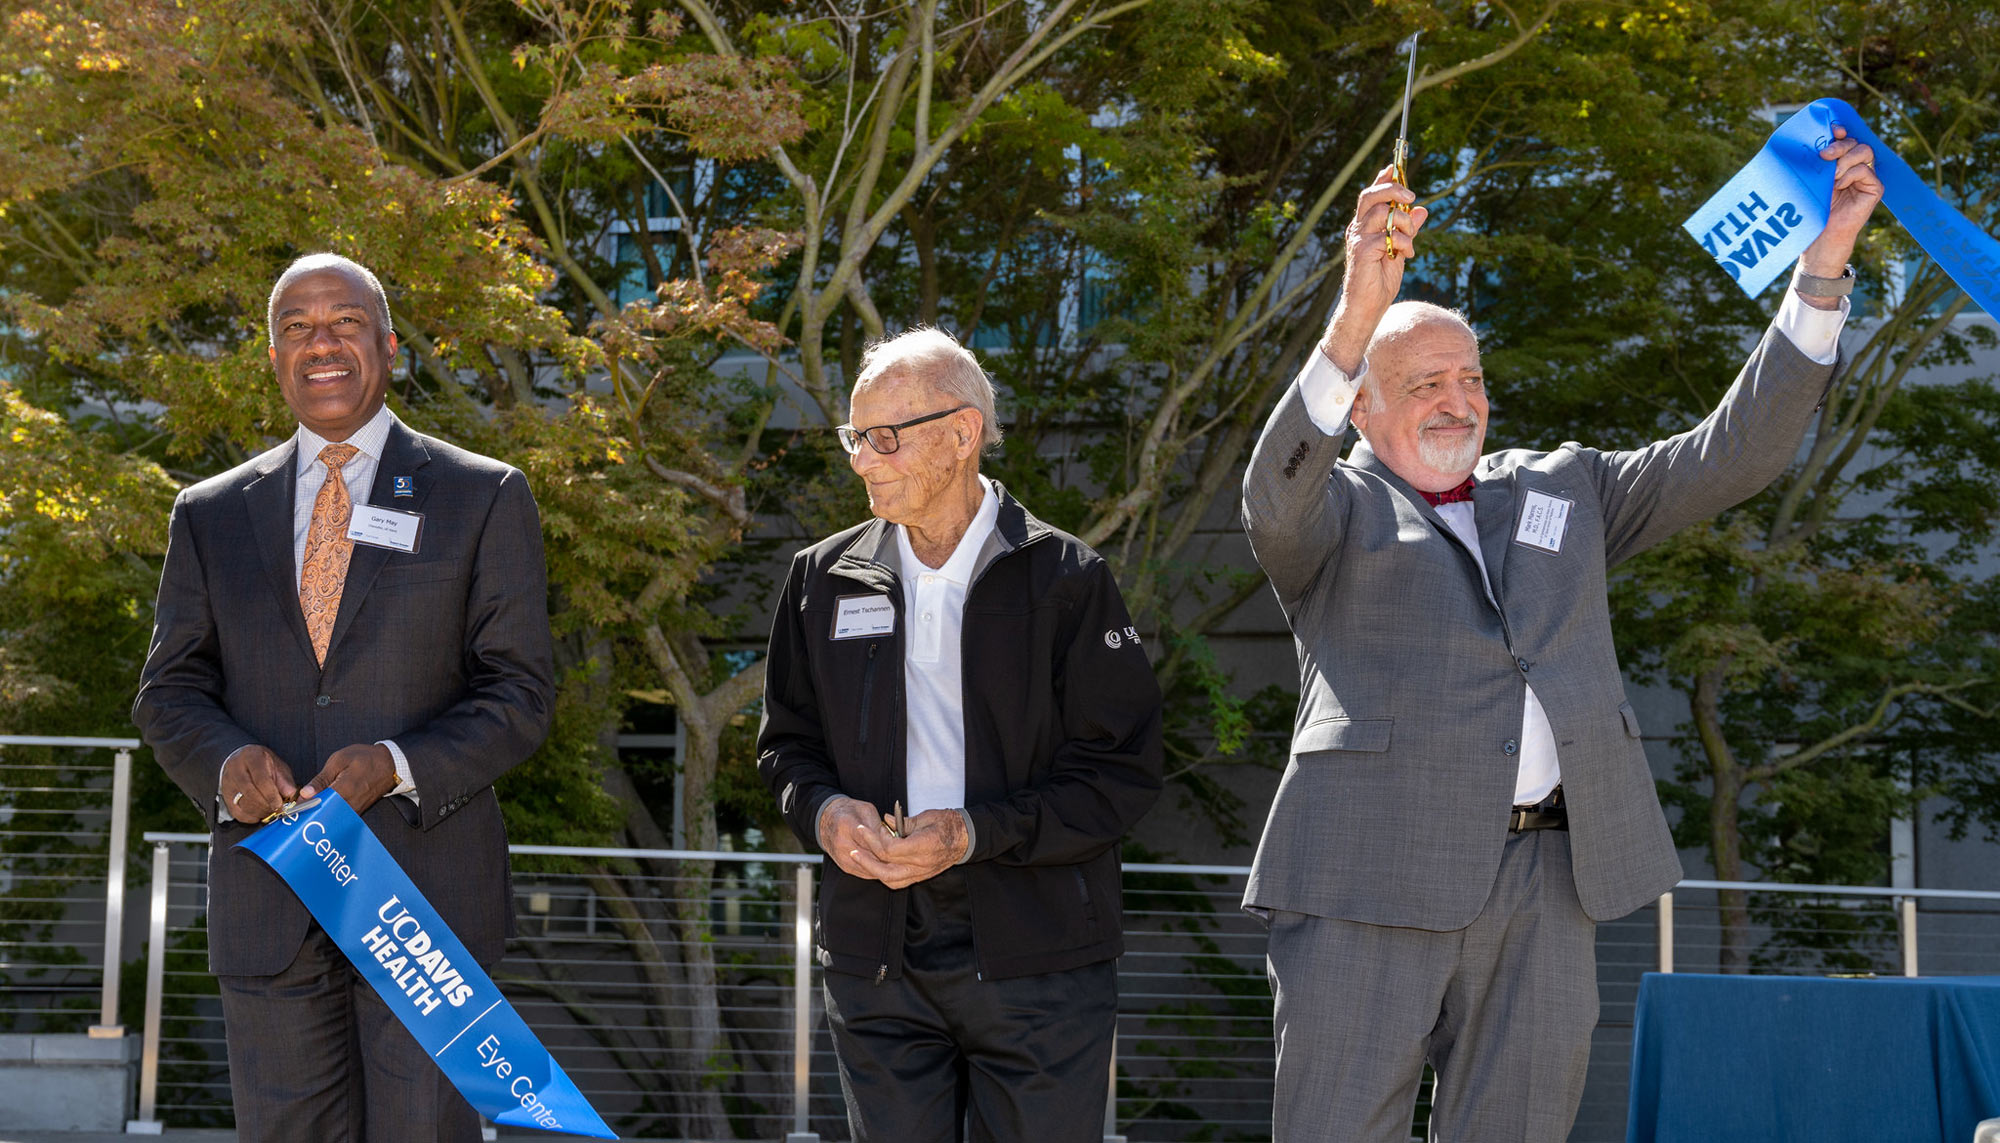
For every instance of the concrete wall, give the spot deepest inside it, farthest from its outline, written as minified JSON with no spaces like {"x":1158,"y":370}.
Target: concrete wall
{"x":67,"y":1083}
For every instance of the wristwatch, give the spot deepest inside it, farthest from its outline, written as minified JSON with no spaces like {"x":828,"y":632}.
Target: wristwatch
{"x":1814,"y":286}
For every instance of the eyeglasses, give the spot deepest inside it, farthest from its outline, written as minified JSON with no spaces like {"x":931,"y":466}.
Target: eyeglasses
{"x":885,"y":439}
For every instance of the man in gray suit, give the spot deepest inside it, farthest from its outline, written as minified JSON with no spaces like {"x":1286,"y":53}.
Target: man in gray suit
{"x":1455,"y":660}
{"x":408,"y":674}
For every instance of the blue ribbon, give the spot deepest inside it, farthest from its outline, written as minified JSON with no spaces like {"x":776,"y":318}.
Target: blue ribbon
{"x":1758,"y":223}
{"x":400,"y":946}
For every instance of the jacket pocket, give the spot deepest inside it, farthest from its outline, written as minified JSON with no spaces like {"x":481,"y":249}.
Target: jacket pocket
{"x":1631,"y":718}
{"x":1083,"y":895}
{"x":1344,"y":734}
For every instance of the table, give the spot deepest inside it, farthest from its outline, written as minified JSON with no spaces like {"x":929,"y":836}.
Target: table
{"x":1721,"y":1059}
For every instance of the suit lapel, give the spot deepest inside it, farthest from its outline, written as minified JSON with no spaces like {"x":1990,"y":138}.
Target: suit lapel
{"x":268,"y":499}
{"x":1493,"y":516}
{"x":403,"y":454}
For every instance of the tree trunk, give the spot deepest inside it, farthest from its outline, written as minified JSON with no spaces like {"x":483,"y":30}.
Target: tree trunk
{"x":1724,"y":825}
{"x":707,"y":1049}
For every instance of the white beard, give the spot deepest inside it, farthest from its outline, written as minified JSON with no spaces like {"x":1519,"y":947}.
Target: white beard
{"x":1448,"y":457}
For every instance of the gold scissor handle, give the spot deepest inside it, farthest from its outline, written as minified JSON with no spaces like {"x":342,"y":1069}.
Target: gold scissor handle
{"x":1400,"y":165}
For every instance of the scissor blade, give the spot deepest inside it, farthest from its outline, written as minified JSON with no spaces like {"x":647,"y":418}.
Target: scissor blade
{"x":1409,"y":83}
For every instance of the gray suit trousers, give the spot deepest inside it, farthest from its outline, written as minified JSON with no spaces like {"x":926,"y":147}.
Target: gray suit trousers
{"x":1502,"y":1009}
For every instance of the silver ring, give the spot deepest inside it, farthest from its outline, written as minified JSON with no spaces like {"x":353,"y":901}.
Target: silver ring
{"x":237,"y":798}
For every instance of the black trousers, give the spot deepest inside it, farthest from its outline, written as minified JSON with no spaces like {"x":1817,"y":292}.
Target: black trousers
{"x":316,"y":1057}
{"x":941,"y":1056}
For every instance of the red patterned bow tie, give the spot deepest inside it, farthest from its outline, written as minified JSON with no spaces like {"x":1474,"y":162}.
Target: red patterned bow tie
{"x":1451,"y":495}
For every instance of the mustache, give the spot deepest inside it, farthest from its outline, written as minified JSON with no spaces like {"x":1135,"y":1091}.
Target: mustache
{"x":326,"y":362}
{"x":1447,"y":421}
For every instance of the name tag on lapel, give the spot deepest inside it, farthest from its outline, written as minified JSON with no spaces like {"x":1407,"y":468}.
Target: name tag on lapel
{"x":1544,"y":519}
{"x":385,"y":528}
{"x":860,"y":616}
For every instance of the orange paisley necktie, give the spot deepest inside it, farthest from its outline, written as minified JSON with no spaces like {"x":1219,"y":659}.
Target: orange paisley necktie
{"x":327,"y":551}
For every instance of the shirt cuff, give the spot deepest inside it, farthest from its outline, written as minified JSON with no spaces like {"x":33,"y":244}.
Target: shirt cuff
{"x":405,"y":787}
{"x":1328,"y":392}
{"x":1812,"y":331}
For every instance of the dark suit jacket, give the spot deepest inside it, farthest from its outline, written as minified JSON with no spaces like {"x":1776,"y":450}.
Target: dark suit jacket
{"x":1393,"y":810}
{"x":446,"y":650}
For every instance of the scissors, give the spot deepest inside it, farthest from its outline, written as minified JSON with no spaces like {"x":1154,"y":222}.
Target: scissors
{"x":1401,"y":162}
{"x":289,"y":808}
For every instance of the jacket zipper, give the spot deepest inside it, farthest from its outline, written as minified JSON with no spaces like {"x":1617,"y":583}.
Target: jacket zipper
{"x":867,"y":686}
{"x":867,"y":691}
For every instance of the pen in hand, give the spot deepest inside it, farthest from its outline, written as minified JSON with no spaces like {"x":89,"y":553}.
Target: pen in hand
{"x":899,"y":828}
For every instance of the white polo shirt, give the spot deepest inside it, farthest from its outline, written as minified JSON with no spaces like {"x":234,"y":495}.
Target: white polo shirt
{"x":933,"y":686}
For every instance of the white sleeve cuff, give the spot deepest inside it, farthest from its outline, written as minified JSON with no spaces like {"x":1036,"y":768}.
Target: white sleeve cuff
{"x":1813,"y":331}
{"x":404,"y":786}
{"x":1328,"y":392}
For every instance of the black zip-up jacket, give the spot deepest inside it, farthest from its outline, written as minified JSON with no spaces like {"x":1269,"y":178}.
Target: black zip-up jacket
{"x":1062,"y":742}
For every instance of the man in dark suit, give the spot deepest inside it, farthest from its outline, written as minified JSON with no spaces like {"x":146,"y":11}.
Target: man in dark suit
{"x":1455,"y":660}
{"x":408,"y":674}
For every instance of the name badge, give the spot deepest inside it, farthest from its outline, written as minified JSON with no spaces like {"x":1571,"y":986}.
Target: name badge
{"x":1544,"y":519}
{"x":862,"y":616}
{"x":385,"y":528}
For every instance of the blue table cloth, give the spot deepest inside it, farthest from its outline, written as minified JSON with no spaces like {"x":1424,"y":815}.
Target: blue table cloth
{"x":1717,"y":1059}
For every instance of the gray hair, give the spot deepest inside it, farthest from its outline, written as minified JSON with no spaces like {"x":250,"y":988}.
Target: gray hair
{"x":936,"y":358}
{"x":313,"y":263}
{"x":1397,"y":322}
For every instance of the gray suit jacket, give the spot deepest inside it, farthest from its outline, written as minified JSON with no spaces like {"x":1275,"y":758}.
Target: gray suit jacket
{"x":1393,"y":809}
{"x":446,"y":650}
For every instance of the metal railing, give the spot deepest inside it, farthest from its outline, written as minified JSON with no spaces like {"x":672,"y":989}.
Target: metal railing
{"x":600,"y":969}
{"x":1193,"y":1052}
{"x":1855,"y":902}
{"x":1193,"y":1055}
{"x":55,"y":794}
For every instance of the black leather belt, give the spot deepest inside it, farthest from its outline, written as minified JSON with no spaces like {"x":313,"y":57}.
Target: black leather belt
{"x":1549,"y":813}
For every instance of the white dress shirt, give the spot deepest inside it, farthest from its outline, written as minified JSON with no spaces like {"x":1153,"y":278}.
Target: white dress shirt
{"x":359,"y":476}
{"x":1328,"y":394}
{"x":933,"y":689}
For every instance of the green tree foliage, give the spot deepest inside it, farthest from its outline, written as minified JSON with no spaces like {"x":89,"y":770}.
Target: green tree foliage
{"x":1133,"y":209}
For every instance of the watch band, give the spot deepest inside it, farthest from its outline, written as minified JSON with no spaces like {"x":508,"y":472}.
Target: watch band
{"x":1814,"y":286}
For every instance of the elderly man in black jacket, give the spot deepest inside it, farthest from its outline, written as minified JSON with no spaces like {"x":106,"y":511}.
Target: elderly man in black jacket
{"x":959,"y":714}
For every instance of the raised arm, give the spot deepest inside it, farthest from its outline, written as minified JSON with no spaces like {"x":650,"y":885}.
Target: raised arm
{"x":1752,"y":436}
{"x":1289,"y":511}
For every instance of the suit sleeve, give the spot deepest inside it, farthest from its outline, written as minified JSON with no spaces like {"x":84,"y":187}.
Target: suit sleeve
{"x":1290,"y":508}
{"x":791,"y":743}
{"x":1107,"y":771}
{"x":1749,"y":440}
{"x":179,"y":709}
{"x":509,"y":701}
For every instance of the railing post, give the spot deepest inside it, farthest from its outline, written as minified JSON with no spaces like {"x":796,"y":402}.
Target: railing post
{"x":107,"y":1026}
{"x":1907,"y":923}
{"x":1666,"y":932}
{"x":802,"y":1006}
{"x":148,"y":1122}
{"x":1111,"y":1095}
